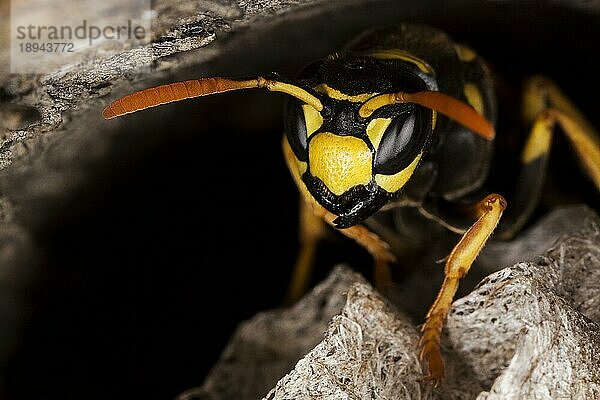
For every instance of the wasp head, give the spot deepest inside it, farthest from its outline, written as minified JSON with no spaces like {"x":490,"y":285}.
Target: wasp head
{"x":352,"y":164}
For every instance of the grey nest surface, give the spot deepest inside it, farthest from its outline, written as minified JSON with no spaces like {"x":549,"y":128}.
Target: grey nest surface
{"x":528,"y":331}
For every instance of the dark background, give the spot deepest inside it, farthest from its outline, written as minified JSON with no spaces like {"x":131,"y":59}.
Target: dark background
{"x":190,"y":226}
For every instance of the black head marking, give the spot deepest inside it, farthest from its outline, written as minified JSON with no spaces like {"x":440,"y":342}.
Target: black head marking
{"x":353,"y":206}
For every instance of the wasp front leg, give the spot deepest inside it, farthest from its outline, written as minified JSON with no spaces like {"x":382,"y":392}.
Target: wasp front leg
{"x":458,"y":263}
{"x":379,"y":250}
{"x":312,"y":217}
{"x":311,"y":230}
{"x":545,"y":107}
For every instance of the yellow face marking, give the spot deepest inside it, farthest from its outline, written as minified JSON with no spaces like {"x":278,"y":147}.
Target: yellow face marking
{"x":295,"y":166}
{"x":465,"y":53}
{"x":398,"y":54}
{"x":313,"y":119}
{"x":376,"y":129}
{"x":336,"y":94}
{"x":341,"y":162}
{"x":393,"y":183}
{"x":473,"y":96}
{"x":539,"y":140}
{"x":302,"y":167}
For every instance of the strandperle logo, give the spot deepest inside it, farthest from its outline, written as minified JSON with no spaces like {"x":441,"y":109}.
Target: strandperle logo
{"x":47,"y":35}
{"x":82,"y":31}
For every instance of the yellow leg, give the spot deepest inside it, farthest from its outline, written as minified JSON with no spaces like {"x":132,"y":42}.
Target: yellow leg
{"x":311,"y":230}
{"x":376,"y":246}
{"x":584,"y":141}
{"x":544,"y":103}
{"x":545,"y":106}
{"x":457,"y":265}
{"x":379,"y":250}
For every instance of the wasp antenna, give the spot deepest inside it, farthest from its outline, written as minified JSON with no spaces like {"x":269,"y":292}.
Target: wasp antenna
{"x":452,"y":108}
{"x":169,"y":93}
{"x":292,"y":90}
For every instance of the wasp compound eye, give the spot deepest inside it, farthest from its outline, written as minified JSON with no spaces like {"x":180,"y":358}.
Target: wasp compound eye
{"x":295,"y":129}
{"x":301,"y":121}
{"x":401,"y":142}
{"x":394,"y":141}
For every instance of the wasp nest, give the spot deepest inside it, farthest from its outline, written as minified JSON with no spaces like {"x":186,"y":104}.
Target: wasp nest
{"x":526,"y":331}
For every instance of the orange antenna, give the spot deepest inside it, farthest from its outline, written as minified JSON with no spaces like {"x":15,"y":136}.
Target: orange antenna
{"x":200,"y":87}
{"x":452,"y":108}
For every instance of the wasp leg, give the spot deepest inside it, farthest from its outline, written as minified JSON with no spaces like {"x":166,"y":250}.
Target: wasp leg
{"x":459,"y":261}
{"x":311,"y":230}
{"x":378,"y":248}
{"x":545,"y":106}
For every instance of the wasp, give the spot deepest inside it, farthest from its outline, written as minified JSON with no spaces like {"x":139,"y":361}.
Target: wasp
{"x":403,"y":119}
